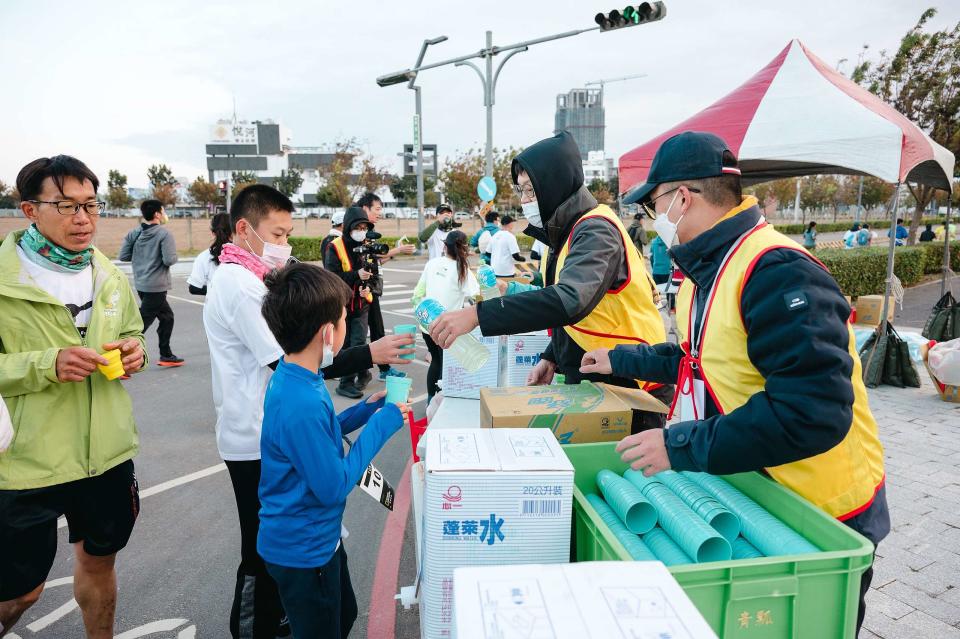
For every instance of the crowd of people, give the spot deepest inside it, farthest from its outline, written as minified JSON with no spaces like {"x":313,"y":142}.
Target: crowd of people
{"x":764,"y":377}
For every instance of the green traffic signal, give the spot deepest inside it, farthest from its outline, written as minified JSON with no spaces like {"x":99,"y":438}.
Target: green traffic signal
{"x":631,"y":16}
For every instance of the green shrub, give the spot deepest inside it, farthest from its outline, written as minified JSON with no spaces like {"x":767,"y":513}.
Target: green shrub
{"x":864,"y":271}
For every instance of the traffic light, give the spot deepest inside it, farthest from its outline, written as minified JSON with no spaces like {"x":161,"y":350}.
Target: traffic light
{"x":631,"y":16}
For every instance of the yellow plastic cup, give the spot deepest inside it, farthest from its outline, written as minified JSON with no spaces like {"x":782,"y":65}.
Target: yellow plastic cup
{"x":113,"y":370}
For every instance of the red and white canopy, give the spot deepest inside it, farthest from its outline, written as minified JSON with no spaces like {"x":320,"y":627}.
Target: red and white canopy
{"x":798,"y":116}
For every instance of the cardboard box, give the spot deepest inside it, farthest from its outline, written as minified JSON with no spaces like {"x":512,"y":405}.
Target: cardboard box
{"x":520,"y":354}
{"x":870,"y":308}
{"x":589,"y":600}
{"x":457,"y":382}
{"x":575,"y":413}
{"x":492,"y":497}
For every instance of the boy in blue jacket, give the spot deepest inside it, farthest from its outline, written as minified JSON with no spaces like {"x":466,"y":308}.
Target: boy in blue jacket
{"x":305,"y":475}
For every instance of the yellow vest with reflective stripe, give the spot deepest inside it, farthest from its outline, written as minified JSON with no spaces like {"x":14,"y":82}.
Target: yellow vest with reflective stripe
{"x":627,"y":315}
{"x":341,"y":250}
{"x":841,"y":481}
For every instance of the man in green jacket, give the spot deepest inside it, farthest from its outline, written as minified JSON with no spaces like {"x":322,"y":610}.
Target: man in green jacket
{"x":63,"y":304}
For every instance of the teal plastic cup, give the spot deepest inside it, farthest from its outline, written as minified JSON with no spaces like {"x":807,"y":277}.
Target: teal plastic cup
{"x":743,"y":549}
{"x":664,"y":548}
{"x":702,"y":503}
{"x":637,"y":549}
{"x":407,"y":329}
{"x":631,"y":507}
{"x":398,"y":390}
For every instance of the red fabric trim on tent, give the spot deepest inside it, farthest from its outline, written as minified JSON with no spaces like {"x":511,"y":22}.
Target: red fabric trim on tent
{"x":729,"y":118}
{"x":916,"y":149}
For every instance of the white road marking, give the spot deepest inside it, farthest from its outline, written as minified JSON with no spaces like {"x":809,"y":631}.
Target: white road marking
{"x":406,"y":291}
{"x":401,"y":270}
{"x":153,"y":627}
{"x":167,"y":485}
{"x":184,"y":299}
{"x":395,"y":286}
{"x":60,"y":612}
{"x":394,"y":302}
{"x":400,"y":313}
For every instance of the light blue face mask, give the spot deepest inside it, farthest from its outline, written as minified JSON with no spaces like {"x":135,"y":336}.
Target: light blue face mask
{"x":531,"y":211}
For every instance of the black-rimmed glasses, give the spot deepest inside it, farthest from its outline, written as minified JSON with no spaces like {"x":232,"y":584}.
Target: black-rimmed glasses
{"x":66,"y":207}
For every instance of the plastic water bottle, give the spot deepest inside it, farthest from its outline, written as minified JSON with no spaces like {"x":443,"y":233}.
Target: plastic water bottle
{"x":466,"y":349}
{"x":488,"y":282}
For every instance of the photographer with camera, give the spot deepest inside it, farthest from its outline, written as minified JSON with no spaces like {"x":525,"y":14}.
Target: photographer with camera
{"x":355,"y":258}
{"x":435,"y":234}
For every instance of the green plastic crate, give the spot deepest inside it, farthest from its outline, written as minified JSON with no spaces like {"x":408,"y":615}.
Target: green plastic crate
{"x":811,"y":596}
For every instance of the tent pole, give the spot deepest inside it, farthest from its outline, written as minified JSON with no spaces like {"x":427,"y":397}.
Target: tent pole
{"x":946,"y":246}
{"x":893,"y":248}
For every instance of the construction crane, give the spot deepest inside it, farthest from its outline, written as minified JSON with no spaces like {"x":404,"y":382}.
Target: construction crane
{"x":601,"y":83}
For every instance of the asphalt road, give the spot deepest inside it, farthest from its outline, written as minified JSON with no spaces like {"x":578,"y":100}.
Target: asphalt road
{"x":176,"y":576}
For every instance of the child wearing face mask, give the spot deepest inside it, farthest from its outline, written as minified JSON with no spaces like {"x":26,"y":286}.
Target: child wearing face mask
{"x":306,"y":476}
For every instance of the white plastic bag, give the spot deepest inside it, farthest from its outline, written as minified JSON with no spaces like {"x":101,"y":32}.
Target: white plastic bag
{"x":6,"y":427}
{"x":944,"y":361}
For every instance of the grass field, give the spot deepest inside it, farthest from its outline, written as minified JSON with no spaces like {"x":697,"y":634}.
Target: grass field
{"x":193,"y":237}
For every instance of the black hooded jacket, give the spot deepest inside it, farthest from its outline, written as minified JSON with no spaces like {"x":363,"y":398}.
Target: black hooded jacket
{"x":331,"y":261}
{"x":595,"y":264}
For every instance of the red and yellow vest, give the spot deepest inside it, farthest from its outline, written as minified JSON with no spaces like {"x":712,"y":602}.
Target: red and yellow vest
{"x":345,"y":263}
{"x":842,"y":481}
{"x":626,"y":315}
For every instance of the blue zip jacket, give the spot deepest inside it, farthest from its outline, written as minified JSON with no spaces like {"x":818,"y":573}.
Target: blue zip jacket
{"x":305,"y":476}
{"x":475,"y":240}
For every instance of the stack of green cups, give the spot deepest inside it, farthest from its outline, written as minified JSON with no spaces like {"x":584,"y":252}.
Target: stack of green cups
{"x":634,"y":510}
{"x":697,"y":538}
{"x":767,"y":533}
{"x":702,"y":503}
{"x":637,"y":549}
{"x":743,"y":549}
{"x":665,"y":549}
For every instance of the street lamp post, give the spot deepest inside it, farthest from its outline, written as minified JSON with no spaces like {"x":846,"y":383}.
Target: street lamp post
{"x":645,"y":13}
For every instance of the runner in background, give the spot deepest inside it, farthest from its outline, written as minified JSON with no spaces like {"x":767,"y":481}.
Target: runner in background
{"x":209,"y":259}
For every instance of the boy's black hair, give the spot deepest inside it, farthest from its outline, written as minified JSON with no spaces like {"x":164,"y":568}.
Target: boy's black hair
{"x":491,"y":217}
{"x":31,"y":177}
{"x":150,"y":208}
{"x":506,"y":220}
{"x":255,"y":203}
{"x":300,"y":299}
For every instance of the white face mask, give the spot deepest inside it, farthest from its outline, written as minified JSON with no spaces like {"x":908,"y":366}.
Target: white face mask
{"x":666,"y":229}
{"x":274,"y":255}
{"x":358,"y":236}
{"x":327,"y":358}
{"x":531,"y":211}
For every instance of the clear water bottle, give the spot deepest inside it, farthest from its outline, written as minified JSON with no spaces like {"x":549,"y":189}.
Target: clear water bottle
{"x":466,"y":349}
{"x":488,"y":282}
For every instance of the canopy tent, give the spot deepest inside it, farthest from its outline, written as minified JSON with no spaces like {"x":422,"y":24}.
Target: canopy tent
{"x":797,"y":116}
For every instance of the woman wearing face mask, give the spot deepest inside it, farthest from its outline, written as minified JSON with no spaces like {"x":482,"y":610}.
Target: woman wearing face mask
{"x":596,"y":292}
{"x":449,"y":280}
{"x":342,"y":260}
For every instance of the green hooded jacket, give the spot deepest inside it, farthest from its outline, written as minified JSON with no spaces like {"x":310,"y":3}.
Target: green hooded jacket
{"x":63,"y":431}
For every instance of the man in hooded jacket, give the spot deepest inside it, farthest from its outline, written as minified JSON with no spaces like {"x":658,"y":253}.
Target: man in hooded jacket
{"x":596,"y":287}
{"x":341,"y":259}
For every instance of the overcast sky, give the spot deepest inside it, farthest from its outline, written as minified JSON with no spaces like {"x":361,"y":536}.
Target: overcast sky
{"x":123,"y":85}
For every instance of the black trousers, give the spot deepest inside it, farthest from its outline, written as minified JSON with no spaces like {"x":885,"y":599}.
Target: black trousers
{"x":154,"y":306}
{"x":377,"y":329}
{"x":320,"y":602}
{"x":356,"y":336}
{"x":435,"y":372}
{"x":256,"y":610}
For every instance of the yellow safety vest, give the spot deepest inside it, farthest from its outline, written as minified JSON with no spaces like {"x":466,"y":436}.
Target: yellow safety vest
{"x":345,"y":263}
{"x":842,"y":481}
{"x":626,"y":315}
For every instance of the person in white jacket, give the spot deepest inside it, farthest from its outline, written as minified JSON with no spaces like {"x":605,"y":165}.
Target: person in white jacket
{"x":449,"y":280}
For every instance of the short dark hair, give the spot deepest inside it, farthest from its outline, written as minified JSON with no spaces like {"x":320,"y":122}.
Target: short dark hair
{"x":899,"y":220}
{"x":31,"y":177}
{"x":150,"y":208}
{"x":505,"y":220}
{"x":491,"y":217}
{"x":367,"y":200}
{"x":300,"y":299}
{"x":255,"y":203}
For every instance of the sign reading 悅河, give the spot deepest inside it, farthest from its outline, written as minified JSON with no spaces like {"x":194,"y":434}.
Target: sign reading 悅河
{"x":487,"y":188}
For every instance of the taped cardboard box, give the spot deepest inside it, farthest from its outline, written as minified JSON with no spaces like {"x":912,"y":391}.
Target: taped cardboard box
{"x":870,"y":309}
{"x":492,"y":498}
{"x":520,"y":354}
{"x":575,"y":413}
{"x":458,"y":382}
